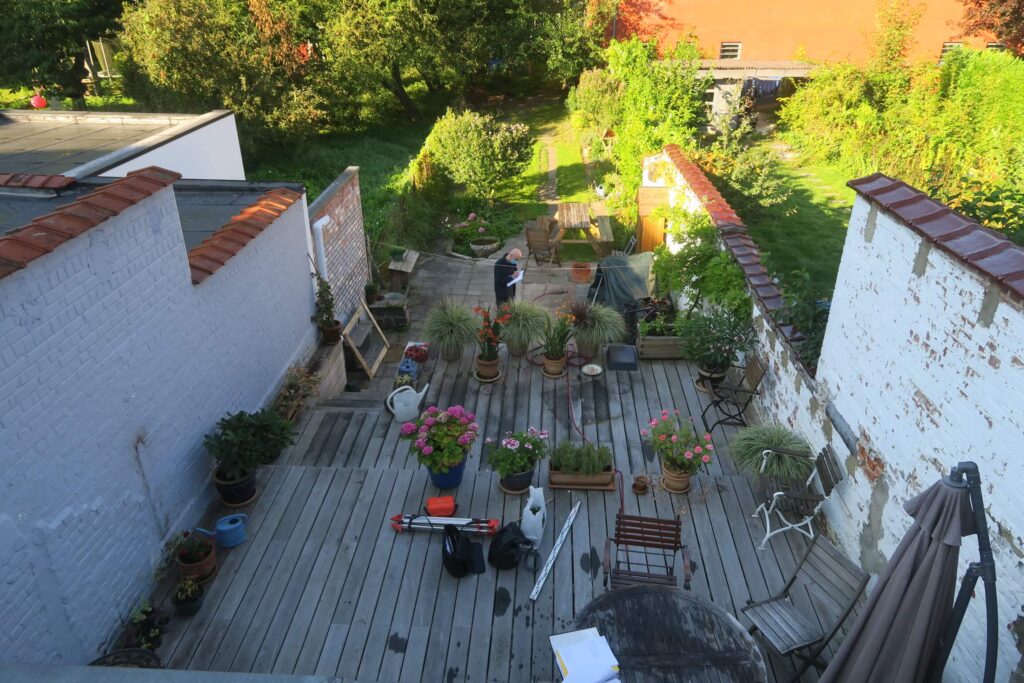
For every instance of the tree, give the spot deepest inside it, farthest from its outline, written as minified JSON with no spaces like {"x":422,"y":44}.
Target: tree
{"x":1002,"y":18}
{"x":45,"y":42}
{"x":573,"y":37}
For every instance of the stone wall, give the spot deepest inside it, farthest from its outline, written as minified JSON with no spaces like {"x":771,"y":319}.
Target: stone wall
{"x":113,"y":366}
{"x":922,"y":366}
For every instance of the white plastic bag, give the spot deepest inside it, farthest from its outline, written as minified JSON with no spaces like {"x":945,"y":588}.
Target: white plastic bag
{"x":534,"y":514}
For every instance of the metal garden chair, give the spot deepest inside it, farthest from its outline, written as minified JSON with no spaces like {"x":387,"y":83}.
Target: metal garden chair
{"x":799,"y":500}
{"x":730,"y":399}
{"x":834,"y":582}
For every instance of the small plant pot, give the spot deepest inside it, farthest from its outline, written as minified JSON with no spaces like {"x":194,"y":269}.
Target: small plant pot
{"x":517,"y":483}
{"x":640,"y":484}
{"x":554,"y":367}
{"x":580,"y":272}
{"x":190,"y":607}
{"x":331,"y":335}
{"x":673,"y":480}
{"x":235,"y":493}
{"x":484,"y":246}
{"x":708,"y":380}
{"x":203,"y":570}
{"x":450,"y":479}
{"x":486,"y":369}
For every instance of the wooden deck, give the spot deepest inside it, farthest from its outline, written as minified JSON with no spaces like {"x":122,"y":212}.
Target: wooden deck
{"x":325,"y":586}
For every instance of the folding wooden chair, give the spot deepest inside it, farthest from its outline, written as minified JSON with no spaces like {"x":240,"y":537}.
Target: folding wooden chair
{"x":833,"y":581}
{"x":730,"y":399}
{"x":539,"y":242}
{"x":800,"y":500}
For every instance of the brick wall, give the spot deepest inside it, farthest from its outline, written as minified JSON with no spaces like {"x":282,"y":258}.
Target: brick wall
{"x":113,"y":366}
{"x":344,"y":240}
{"x":922,"y":366}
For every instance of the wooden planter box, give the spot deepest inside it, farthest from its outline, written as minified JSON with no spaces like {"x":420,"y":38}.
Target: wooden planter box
{"x":659,"y":348}
{"x":602,"y":481}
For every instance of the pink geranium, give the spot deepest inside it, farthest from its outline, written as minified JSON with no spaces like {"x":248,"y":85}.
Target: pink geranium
{"x":675,"y":442}
{"x":705,"y":459}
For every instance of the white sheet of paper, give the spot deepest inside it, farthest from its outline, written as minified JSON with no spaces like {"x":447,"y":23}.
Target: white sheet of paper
{"x":560,"y":641}
{"x":584,"y":657}
{"x":517,"y":278}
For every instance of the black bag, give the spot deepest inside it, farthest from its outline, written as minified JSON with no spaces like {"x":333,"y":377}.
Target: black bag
{"x":459,"y":554}
{"x":508,"y":546}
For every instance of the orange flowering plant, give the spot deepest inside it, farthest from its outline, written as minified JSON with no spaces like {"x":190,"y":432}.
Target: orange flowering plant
{"x":677,"y":443}
{"x":489,"y":334}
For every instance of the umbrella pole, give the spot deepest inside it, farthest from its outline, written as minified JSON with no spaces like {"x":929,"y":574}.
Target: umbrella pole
{"x":985,"y":569}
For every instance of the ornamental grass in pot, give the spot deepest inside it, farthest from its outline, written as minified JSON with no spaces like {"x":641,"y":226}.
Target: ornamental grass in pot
{"x":525,"y":325}
{"x":515,"y":458}
{"x":748,"y":451}
{"x":557,"y":330}
{"x":713,"y":340}
{"x":581,"y":466}
{"x":242,"y":443}
{"x":594,"y":325}
{"x":441,"y":440}
{"x":449,"y":327}
{"x":679,"y":448}
{"x":488,"y":336}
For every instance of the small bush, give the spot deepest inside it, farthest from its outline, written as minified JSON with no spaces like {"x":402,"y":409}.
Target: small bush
{"x":572,"y":458}
{"x":748,"y":446}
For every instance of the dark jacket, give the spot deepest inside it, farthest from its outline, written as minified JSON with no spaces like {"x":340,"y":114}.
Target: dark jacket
{"x":504,"y":270}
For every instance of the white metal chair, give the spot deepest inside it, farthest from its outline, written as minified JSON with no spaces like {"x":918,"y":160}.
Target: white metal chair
{"x":800,"y":500}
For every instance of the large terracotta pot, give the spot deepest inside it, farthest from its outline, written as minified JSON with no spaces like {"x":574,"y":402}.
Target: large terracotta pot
{"x":674,"y":480}
{"x":580,"y":272}
{"x":203,"y":570}
{"x":486,"y":369}
{"x":554,"y":367}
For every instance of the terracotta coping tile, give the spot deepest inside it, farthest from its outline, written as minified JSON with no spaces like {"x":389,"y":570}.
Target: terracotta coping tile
{"x":767,"y":291}
{"x":773,"y":303}
{"x":758,"y":280}
{"x":1006,"y":265}
{"x":218,"y":248}
{"x":1016,"y":285}
{"x":754,"y":269}
{"x":976,"y":245}
{"x":47,"y":232}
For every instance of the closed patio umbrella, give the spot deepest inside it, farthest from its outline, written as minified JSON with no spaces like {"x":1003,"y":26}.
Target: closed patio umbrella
{"x":896,"y":635}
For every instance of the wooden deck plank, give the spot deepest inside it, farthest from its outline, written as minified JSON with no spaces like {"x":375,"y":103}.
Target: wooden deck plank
{"x":323,"y":432}
{"x":308,"y":429}
{"x":504,"y":598}
{"x":484,"y":599}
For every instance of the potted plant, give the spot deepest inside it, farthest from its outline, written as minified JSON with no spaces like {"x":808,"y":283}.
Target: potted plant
{"x":441,"y":440}
{"x":712,"y":340}
{"x":449,"y":327}
{"x":580,"y":272}
{"x":397,"y":254}
{"x":525,"y":325}
{"x":680,"y":450}
{"x":195,"y":555}
{"x":515,"y":458}
{"x":658,"y":338}
{"x":372,"y":292}
{"x":581,"y":466}
{"x":244,"y":441}
{"x":594,"y":325}
{"x":488,"y":337}
{"x":403,"y":380}
{"x":298,"y":386}
{"x":330,"y":328}
{"x":418,"y":353}
{"x":749,"y":445}
{"x":557,"y":331}
{"x":187,"y":597}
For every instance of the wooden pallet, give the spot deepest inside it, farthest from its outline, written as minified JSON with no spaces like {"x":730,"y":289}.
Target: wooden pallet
{"x":366,"y":340}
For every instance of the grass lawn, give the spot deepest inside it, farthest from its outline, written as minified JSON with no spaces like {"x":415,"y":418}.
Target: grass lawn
{"x":809,"y":231}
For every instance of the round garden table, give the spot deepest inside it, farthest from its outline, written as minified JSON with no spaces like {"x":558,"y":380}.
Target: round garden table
{"x":660,"y":633}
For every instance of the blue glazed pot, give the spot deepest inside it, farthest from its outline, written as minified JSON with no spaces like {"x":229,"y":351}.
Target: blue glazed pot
{"x":450,"y":479}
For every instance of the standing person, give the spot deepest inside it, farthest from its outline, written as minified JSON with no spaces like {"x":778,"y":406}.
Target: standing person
{"x":504,"y":270}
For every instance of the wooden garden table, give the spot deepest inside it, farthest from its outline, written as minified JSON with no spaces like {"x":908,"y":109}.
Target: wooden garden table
{"x":576,"y":216}
{"x":664,"y":634}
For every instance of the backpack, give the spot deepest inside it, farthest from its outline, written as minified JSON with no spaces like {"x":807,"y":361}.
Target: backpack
{"x":460,"y":555}
{"x":508,"y":546}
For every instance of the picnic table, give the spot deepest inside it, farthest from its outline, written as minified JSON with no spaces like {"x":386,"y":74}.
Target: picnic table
{"x":660,"y":633}
{"x":576,"y":216}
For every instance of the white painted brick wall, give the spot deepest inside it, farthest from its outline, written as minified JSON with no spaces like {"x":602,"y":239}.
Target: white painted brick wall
{"x":113,"y":367}
{"x":923,"y":385}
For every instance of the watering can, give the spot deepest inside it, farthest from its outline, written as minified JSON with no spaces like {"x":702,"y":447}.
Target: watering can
{"x":228,"y":531}
{"x":404,"y":403}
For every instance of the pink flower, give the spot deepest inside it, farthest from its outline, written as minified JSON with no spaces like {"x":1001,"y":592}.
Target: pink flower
{"x":427,"y":450}
{"x":420,"y":443}
{"x":705,"y":459}
{"x":407,"y":429}
{"x":653,"y":423}
{"x":644,"y":432}
{"x":424,"y":429}
{"x":688,"y":454}
{"x":543,"y":434}
{"x":707,"y":437}
{"x":709,"y":447}
{"x":472,"y":217}
{"x":456,"y":411}
{"x":662,"y":437}
{"x":430,"y":422}
{"x":488,"y":441}
{"x":482,"y":230}
{"x":463,"y":420}
{"x":676,"y":411}
{"x":432,"y":410}
{"x":664,"y":413}
{"x":471,"y":416}
{"x":473,"y":426}
{"x":698,"y":449}
{"x":675,"y":438}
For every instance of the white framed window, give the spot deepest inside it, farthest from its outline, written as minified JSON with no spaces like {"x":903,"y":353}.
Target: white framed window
{"x":947,"y":47}
{"x":730,"y":50}
{"x":996,"y":46}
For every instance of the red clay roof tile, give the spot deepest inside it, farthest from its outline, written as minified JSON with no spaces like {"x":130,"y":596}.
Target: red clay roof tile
{"x":1006,"y":265}
{"x":45,"y":233}
{"x":977,"y":244}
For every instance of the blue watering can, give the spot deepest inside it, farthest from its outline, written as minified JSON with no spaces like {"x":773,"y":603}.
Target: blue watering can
{"x":228,"y":531}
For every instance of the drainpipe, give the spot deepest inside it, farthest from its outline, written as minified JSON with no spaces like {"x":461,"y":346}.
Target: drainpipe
{"x":318,"y":244}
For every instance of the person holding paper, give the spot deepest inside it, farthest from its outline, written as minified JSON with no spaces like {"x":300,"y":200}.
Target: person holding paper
{"x":505,"y":276}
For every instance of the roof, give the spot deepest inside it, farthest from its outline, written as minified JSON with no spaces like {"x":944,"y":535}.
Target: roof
{"x":80,"y":144}
{"x":217,"y":217}
{"x":964,"y":239}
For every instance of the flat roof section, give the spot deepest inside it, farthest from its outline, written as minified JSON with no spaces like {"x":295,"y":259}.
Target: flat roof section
{"x":82,"y":144}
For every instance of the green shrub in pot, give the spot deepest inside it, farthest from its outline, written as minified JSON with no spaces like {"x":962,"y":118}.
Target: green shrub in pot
{"x":449,"y":328}
{"x":242,"y":443}
{"x":714,"y":338}
{"x":749,"y":445}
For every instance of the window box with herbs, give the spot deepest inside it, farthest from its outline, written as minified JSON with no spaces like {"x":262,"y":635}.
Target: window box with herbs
{"x":581,"y":466}
{"x":515,"y":458}
{"x":658,"y":339}
{"x":242,"y":443}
